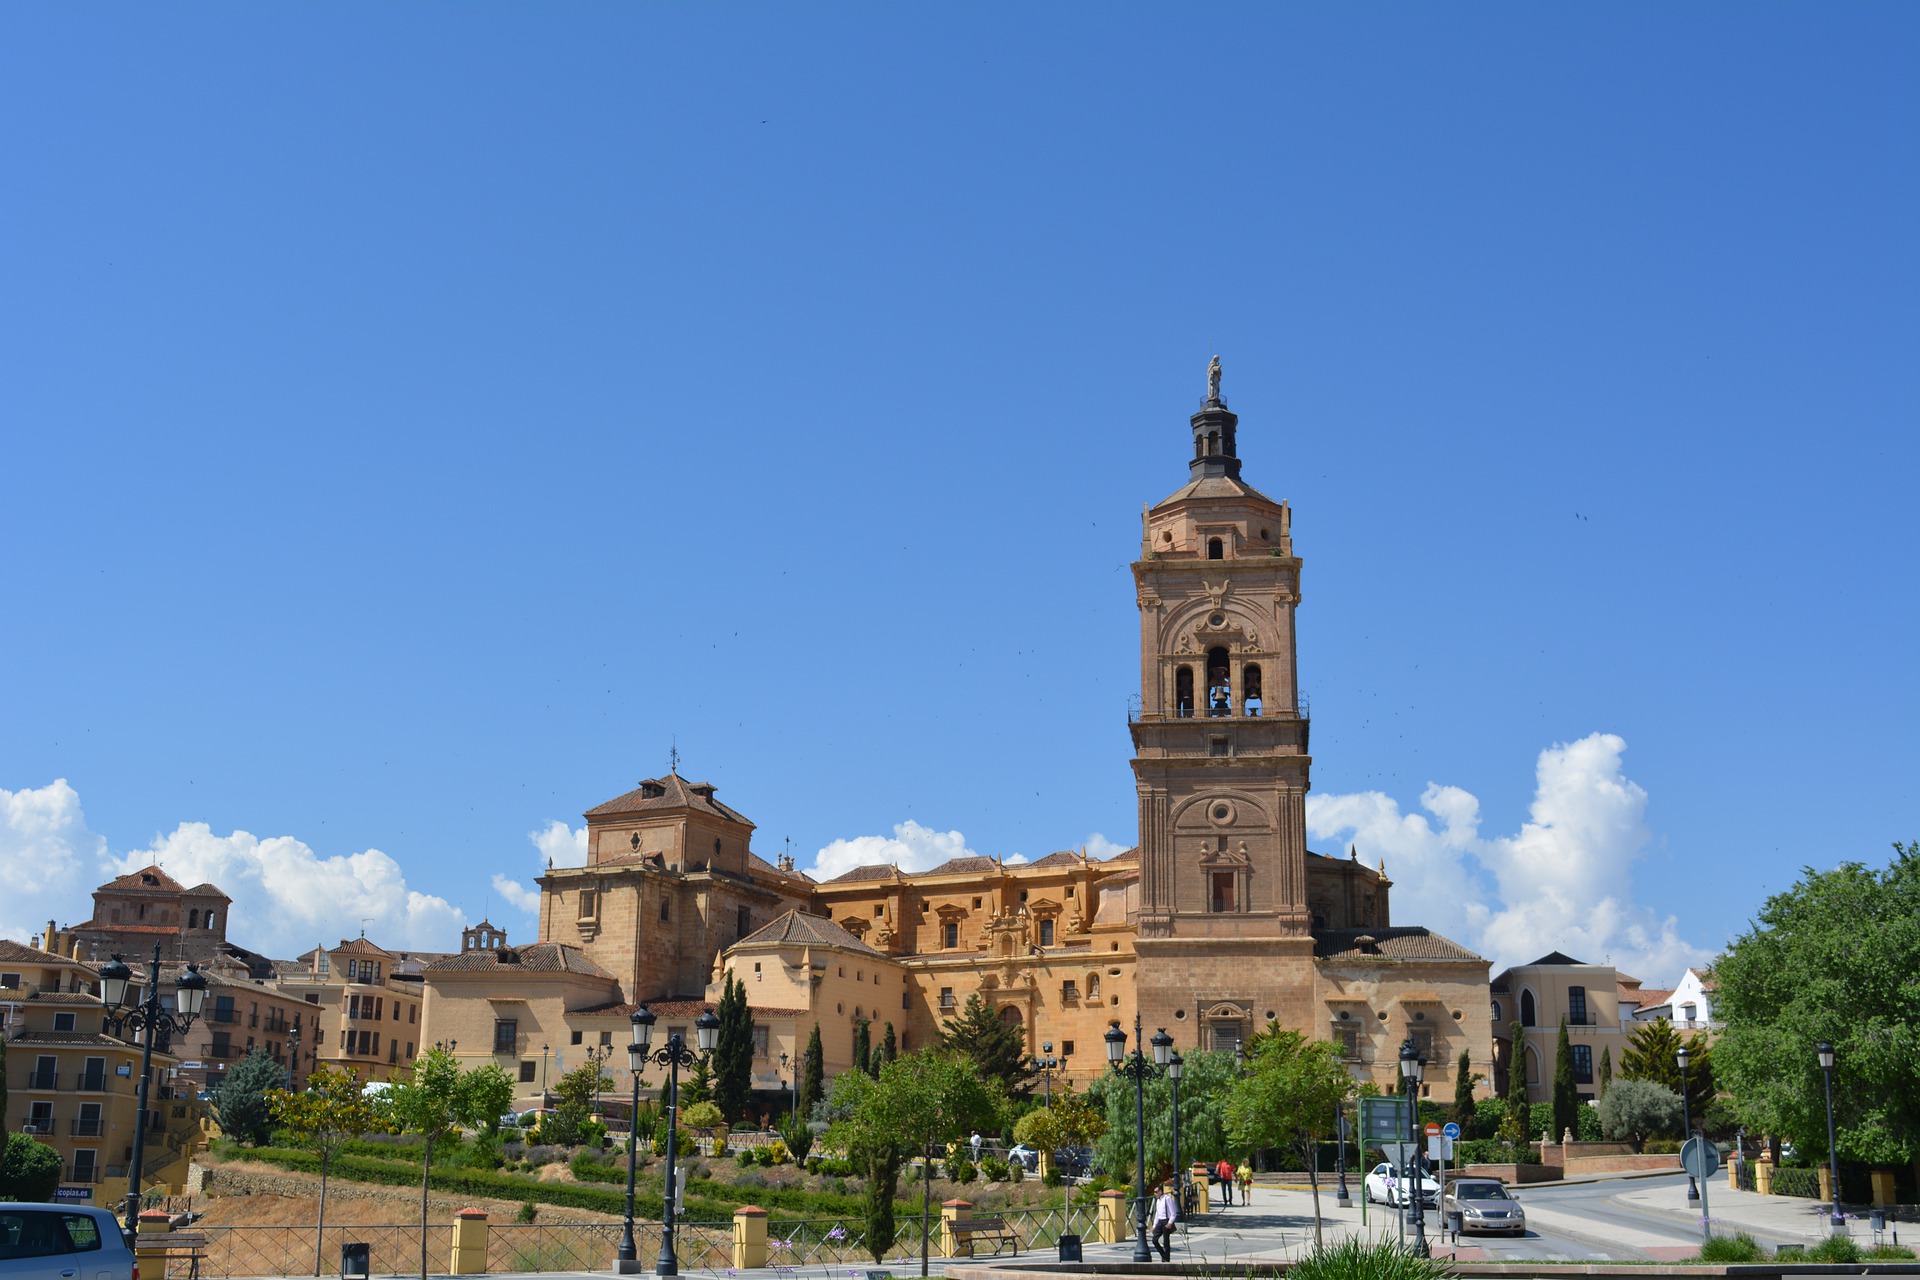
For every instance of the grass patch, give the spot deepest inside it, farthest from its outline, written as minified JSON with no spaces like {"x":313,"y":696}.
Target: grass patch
{"x":1354,"y":1259}
{"x":1739,"y":1247}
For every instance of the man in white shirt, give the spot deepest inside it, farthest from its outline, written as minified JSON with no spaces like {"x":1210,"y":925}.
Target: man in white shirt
{"x":1165,"y":1213}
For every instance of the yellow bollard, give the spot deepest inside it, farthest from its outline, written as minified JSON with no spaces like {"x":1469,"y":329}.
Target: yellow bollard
{"x":1882,"y":1187}
{"x":1111,"y":1226}
{"x":469,"y":1243}
{"x":1826,"y":1183}
{"x":1763,"y":1176}
{"x":1202,"y":1189}
{"x":749,"y":1237}
{"x":950,"y":1210}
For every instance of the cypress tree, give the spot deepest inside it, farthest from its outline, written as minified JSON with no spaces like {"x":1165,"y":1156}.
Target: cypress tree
{"x":1513,"y":1130}
{"x":813,"y":1074}
{"x":733,"y":1050}
{"x":1464,"y":1078}
{"x":883,"y":1181}
{"x":1606,"y":1068}
{"x":889,"y":1047}
{"x":862,"y":1045}
{"x":1566,"y":1098}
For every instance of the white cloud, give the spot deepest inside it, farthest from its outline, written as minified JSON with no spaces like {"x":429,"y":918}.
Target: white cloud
{"x":48,"y":858}
{"x":556,"y":845}
{"x":517,"y":895}
{"x":287,"y":898}
{"x":1099,"y":848}
{"x":911,"y":847}
{"x":1562,"y":882}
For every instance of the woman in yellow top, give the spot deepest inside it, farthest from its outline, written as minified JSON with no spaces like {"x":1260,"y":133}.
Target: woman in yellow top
{"x":1244,"y":1176}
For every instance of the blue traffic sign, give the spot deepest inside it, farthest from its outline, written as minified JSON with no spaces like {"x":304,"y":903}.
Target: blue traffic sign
{"x":1451,"y":1129}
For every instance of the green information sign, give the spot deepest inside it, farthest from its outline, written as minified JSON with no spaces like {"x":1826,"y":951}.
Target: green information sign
{"x":1383,"y":1119}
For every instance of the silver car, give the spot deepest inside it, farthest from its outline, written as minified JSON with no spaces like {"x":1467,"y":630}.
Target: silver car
{"x":1484,"y":1205}
{"x":62,"y":1242}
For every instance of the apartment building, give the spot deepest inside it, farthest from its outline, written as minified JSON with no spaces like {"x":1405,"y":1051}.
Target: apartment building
{"x":366,"y":1002}
{"x":1538,"y":996}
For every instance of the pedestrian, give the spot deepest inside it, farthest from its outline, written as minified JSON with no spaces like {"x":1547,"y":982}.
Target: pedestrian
{"x":976,"y":1146}
{"x":1244,"y":1174}
{"x":1224,"y":1173}
{"x":1165,"y":1212}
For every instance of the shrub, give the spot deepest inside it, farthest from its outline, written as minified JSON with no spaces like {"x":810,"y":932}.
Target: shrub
{"x":777,"y":1153}
{"x":993,"y":1168}
{"x":1660,"y":1146}
{"x":1835,"y":1249}
{"x":961,"y":1170}
{"x":1881,"y":1251}
{"x":528,"y":1212}
{"x":1739,"y":1247}
{"x":1353,"y":1259}
{"x":1051,"y":1177}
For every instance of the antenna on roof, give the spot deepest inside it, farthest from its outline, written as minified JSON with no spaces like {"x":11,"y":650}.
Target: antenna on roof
{"x":364,"y":922}
{"x":673,"y":755}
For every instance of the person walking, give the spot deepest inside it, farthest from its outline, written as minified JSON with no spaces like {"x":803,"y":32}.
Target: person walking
{"x":1224,"y":1172}
{"x":1244,"y":1175}
{"x":1165,"y":1213}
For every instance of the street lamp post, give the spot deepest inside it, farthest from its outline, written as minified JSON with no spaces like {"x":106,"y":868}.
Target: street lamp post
{"x":544,"y":1051}
{"x":152,"y":1022}
{"x":1047,"y":1066}
{"x":673,"y":1055}
{"x":1686,"y":1118}
{"x":793,"y":1097}
{"x":1340,"y":1153}
{"x":1136,"y":1068}
{"x":1175,"y":1065}
{"x":627,"y":1261}
{"x":1411,"y":1067}
{"x":1838,"y":1220}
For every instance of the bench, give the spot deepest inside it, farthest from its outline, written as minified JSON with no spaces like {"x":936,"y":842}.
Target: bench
{"x":965,"y":1230}
{"x":191,"y":1245}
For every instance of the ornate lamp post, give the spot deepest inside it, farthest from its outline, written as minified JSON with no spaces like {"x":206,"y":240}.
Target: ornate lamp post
{"x":627,"y":1261}
{"x":1686,"y":1117}
{"x":1411,"y":1067}
{"x":152,"y":1022}
{"x":544,"y":1051}
{"x":1047,"y":1066}
{"x":793,"y":1097}
{"x":672,"y":1056}
{"x":1136,"y":1068}
{"x":1838,"y":1220}
{"x":1175,"y":1065}
{"x":1340,"y":1131}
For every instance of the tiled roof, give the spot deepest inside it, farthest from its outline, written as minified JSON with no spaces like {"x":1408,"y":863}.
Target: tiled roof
{"x":1215,"y":487}
{"x":64,"y":998}
{"x":167,"y":930}
{"x":138,"y":881}
{"x":872,"y":871}
{"x":1065,"y":858}
{"x":963,"y":866}
{"x":1409,"y":943}
{"x":72,"y":1037}
{"x":1130,"y":855}
{"x":1557,"y":957}
{"x":805,"y":930}
{"x":20,"y":953}
{"x":757,"y":863}
{"x":1654,"y":999}
{"x":675,"y":1009}
{"x":206,"y":887}
{"x":679,"y":1008}
{"x":361,"y":947}
{"x":541,"y":957}
{"x":670,"y":792}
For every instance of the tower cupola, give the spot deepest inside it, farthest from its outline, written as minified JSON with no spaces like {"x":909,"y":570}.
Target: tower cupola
{"x":1213,"y":430}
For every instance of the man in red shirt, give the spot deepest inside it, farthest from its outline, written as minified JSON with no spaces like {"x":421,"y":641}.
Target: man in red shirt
{"x":1224,"y":1171}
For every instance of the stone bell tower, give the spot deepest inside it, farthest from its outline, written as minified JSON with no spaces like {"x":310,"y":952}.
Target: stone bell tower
{"x":1220,"y":755}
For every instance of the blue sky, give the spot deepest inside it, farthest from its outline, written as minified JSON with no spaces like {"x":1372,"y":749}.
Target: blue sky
{"x":417,"y":419}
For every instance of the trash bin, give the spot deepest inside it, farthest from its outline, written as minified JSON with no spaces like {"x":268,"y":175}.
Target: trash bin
{"x":356,"y":1260}
{"x":1069,"y":1248}
{"x":1456,"y":1219}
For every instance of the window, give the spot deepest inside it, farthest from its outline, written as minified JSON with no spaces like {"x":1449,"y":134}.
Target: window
{"x":10,"y":981}
{"x":1222,"y":883}
{"x":1348,"y":1038}
{"x":760,"y":1041}
{"x":1423,"y":1043}
{"x":904,"y":1002}
{"x":1066,"y":1048}
{"x":526,"y":1071}
{"x":946,"y":1002}
{"x":1496,"y":1013}
{"x":1250,"y":697}
{"x":1583,"y":1064}
{"x":40,"y":1117}
{"x":606,"y":1037}
{"x":506,"y":1034}
{"x":743,"y":921}
{"x":1046,"y":932}
{"x":666,"y":908}
{"x":413,"y":1013}
{"x":63,"y":1021}
{"x":88,"y":1125}
{"x":589,"y":904}
{"x":879,"y":910}
{"x":1577,"y":1006}
{"x":1218,"y":747}
{"x":46,"y":1233}
{"x":1526,"y":1009}
{"x":950,"y":935}
{"x":93,"y":1076}
{"x":193,"y":919}
{"x":1226,"y":1037}
{"x":1069,"y":990}
{"x":1216,"y":550}
{"x":1183,"y":692}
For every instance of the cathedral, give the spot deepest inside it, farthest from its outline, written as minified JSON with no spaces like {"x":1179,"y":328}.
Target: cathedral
{"x":1219,"y":922}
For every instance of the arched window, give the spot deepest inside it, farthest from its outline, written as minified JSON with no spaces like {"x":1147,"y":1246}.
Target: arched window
{"x":209,"y":919}
{"x":1496,"y":1011}
{"x":1533,"y":1066}
{"x":1009,"y":1016}
{"x":1183,"y":692}
{"x":1219,"y":683}
{"x":1526,"y":1008}
{"x":1250,"y":681}
{"x":1216,"y":549}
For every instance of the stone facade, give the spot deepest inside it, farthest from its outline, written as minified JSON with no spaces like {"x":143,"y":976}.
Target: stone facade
{"x":1537,"y":996}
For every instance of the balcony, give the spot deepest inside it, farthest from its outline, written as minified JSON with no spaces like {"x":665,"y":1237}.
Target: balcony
{"x":1251,"y":709}
{"x":83,"y":1173}
{"x":224,"y":1017}
{"x":42,"y":1080}
{"x":38,"y":1125}
{"x":90,"y":1082}
{"x":91,"y":1127}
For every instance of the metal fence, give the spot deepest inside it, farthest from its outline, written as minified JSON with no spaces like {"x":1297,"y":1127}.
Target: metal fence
{"x":1804,"y":1183}
{"x":394,"y":1249}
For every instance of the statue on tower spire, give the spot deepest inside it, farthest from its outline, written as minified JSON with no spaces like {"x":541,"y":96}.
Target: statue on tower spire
{"x":1213,"y":381}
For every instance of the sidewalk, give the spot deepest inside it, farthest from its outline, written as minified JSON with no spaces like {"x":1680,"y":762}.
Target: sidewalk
{"x":1772,"y":1220}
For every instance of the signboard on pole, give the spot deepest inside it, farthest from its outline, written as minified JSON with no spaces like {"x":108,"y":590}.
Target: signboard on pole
{"x":1398,"y":1153}
{"x":1383,"y":1119}
{"x":1452,"y":1130}
{"x":1699,"y":1158}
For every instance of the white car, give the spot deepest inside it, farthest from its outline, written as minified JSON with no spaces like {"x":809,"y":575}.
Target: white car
{"x":1024,"y":1156}
{"x":1382,"y":1186}
{"x":57,"y":1241}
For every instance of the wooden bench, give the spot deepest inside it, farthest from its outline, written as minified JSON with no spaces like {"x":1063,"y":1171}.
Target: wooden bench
{"x":191,"y":1245}
{"x":965,"y":1230}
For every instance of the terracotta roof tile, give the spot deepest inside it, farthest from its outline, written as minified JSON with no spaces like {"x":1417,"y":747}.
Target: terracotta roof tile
{"x":20,"y":953}
{"x":872,"y":871}
{"x":150,"y":879}
{"x":805,"y":930}
{"x":671,"y":792}
{"x":361,"y":947}
{"x":1408,"y":943}
{"x":1064,"y":858}
{"x":1130,"y":855}
{"x":963,"y":867}
{"x":757,"y":863}
{"x":541,"y":957}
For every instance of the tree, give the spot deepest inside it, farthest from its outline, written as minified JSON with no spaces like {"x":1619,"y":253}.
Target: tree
{"x":1288,"y":1097}
{"x":1464,"y":1079}
{"x":1072,"y":1121}
{"x":698,"y":1086}
{"x":998,"y":1049}
{"x":1203,"y":1132}
{"x":1652,"y":1053}
{"x":240,"y":1103}
{"x":920,"y":1102}
{"x":573,"y":1098}
{"x":1513,"y":1130}
{"x":862,"y":1047}
{"x":1566,"y":1097}
{"x":333,"y":1111}
{"x":29,"y":1170}
{"x":706,"y":1118}
{"x":433,"y":1098}
{"x":733,"y":1050}
{"x":1634,"y":1110}
{"x":813,"y":1073}
{"x":889,"y":1047}
{"x":1832,"y":959}
{"x":1606,"y":1069}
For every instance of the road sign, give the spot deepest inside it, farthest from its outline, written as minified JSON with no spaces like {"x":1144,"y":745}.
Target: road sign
{"x":1439,"y":1147}
{"x":1699,"y":1158}
{"x":1433,"y":1128}
{"x":1383,"y":1119}
{"x":1452,"y":1130}
{"x":1398,"y":1153}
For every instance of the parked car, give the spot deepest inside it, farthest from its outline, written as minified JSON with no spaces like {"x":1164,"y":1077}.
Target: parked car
{"x":1484,"y":1204}
{"x":1382,"y":1186}
{"x":62,"y":1242}
{"x":1025,"y":1156}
